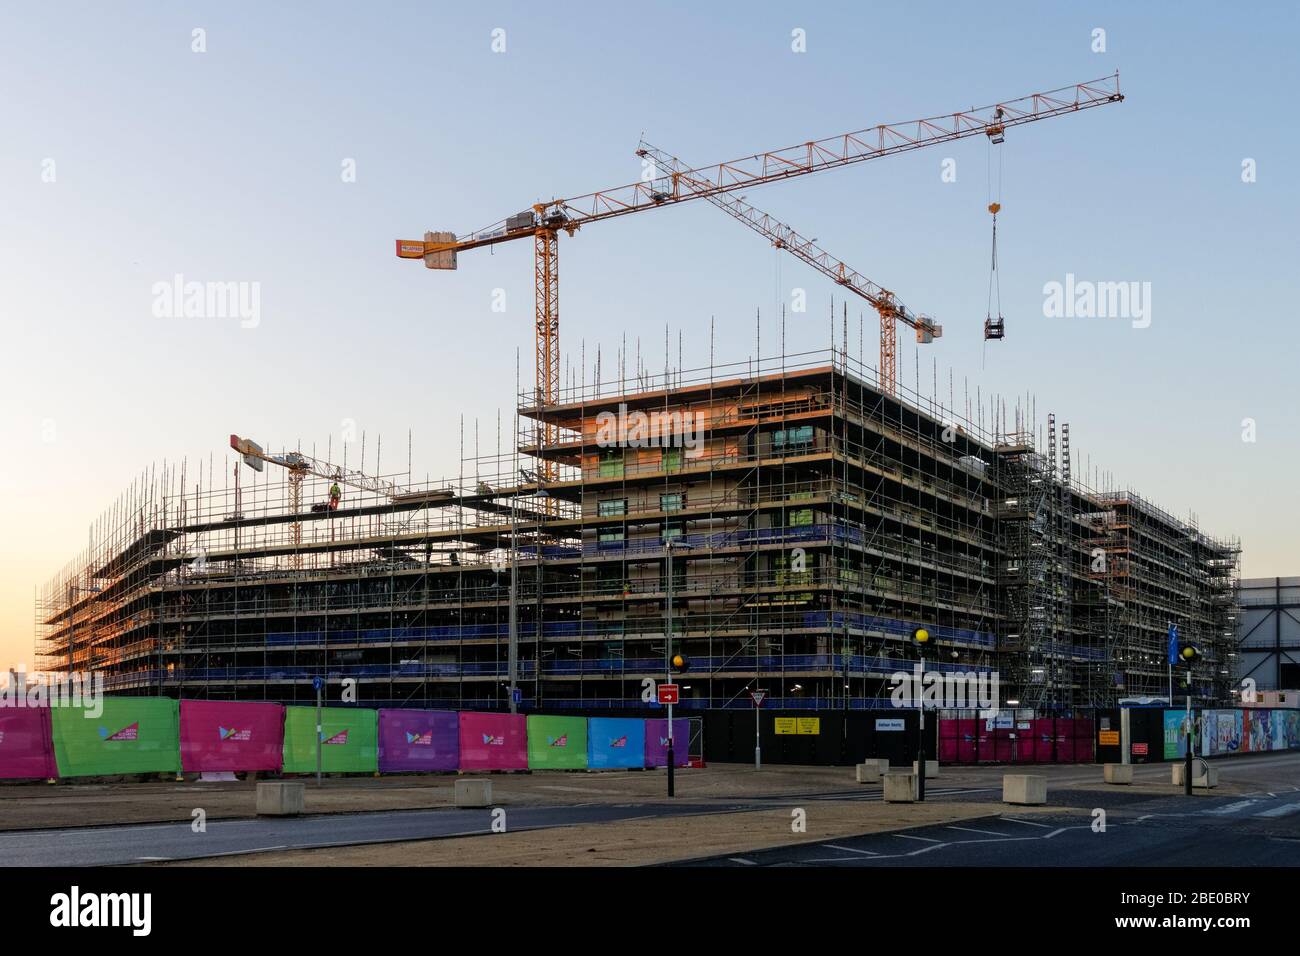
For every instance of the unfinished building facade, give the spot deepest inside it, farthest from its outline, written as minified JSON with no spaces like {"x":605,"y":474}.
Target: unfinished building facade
{"x":782,"y":525}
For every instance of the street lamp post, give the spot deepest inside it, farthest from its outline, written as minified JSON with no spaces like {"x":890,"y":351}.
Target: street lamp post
{"x":920,"y":637}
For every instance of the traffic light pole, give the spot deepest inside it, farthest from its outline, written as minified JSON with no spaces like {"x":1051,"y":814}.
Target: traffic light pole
{"x":920,"y":734}
{"x":1187,"y":760}
{"x":668,"y":659}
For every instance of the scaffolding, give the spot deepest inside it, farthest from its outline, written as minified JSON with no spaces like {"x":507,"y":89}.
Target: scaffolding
{"x":797,"y":526}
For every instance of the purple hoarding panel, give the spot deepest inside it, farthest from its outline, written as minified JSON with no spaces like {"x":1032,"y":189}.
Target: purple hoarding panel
{"x":493,"y":741}
{"x":656,"y":742}
{"x":26,"y":743}
{"x":228,"y":735}
{"x":418,"y":740}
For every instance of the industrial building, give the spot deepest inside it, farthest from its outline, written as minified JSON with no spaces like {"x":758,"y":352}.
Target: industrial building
{"x":788,"y":522}
{"x":1268,"y":636}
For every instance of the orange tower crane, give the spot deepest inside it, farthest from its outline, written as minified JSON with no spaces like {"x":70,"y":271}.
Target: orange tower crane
{"x":891,"y":310}
{"x":544,"y":222}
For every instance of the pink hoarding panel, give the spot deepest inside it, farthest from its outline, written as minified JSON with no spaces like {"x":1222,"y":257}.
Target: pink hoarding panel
{"x":1044,"y":733}
{"x":493,"y":741}
{"x":228,"y":735}
{"x":966,"y":731}
{"x":26,"y":743}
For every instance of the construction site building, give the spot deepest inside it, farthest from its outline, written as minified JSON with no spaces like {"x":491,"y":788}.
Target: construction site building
{"x":783,"y":524}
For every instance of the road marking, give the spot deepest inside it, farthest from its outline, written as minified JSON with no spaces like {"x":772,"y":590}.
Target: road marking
{"x":741,"y":859}
{"x":1232,"y":807}
{"x":1028,"y":823}
{"x":907,"y":836}
{"x":849,"y":849}
{"x":153,"y":858}
{"x":985,"y":832}
{"x":1281,"y":811}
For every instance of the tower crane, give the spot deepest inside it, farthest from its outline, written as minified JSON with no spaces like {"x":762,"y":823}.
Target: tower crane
{"x":891,"y":310}
{"x":544,"y":221}
{"x":299,"y":467}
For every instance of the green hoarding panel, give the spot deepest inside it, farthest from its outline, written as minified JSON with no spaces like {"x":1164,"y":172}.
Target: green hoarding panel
{"x":349,"y":740}
{"x":557,"y":743}
{"x":130,"y":735}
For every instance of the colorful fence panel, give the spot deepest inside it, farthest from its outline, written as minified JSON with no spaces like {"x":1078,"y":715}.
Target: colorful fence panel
{"x":348,"y":740}
{"x":418,"y":740}
{"x":131,"y":735}
{"x":557,"y":743}
{"x":228,"y":735}
{"x":493,"y":742}
{"x":656,"y":742}
{"x":26,"y":743}
{"x":615,"y":742}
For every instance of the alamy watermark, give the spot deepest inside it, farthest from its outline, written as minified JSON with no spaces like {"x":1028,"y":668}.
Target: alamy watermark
{"x":74,"y":689}
{"x":181,"y":299}
{"x":656,"y":429}
{"x":1085,"y":299}
{"x":952,"y":690}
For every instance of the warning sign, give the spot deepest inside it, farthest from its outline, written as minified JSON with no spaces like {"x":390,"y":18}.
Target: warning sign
{"x":798,"y":725}
{"x":785,"y":725}
{"x":1108,"y":738}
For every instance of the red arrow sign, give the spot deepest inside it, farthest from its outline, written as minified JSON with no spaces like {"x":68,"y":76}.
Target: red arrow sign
{"x":668,"y":693}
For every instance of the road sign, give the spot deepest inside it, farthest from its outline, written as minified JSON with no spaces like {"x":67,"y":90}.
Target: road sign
{"x":668,"y":693}
{"x":317,"y":683}
{"x":517,"y":695}
{"x":757,"y":697}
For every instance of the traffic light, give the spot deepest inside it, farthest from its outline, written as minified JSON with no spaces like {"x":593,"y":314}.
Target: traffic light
{"x":1188,"y":653}
{"x":680,"y":664}
{"x":921,"y":637}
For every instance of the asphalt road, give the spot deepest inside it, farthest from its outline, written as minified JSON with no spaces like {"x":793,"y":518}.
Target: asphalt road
{"x":1261,"y":829}
{"x":108,"y":846}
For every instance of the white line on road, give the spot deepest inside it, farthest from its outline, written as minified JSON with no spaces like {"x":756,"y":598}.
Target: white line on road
{"x":985,"y":832}
{"x":1028,"y":823}
{"x":741,"y":859}
{"x":1232,"y":807}
{"x":1284,"y":810}
{"x":908,"y":836}
{"x":849,"y":849}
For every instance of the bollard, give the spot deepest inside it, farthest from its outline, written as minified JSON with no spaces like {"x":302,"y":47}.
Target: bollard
{"x":279,"y":798}
{"x":871,"y":771}
{"x":1024,"y":789}
{"x":931,"y":769}
{"x":1118,"y":773}
{"x":473,"y":792}
{"x":900,"y":786}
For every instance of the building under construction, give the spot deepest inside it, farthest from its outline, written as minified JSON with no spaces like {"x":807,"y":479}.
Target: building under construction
{"x":782,"y":524}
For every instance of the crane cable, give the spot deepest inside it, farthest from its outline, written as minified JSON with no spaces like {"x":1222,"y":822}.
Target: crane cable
{"x":992,"y":329}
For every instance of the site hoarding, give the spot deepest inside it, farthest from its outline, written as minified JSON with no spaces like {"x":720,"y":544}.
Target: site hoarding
{"x":656,"y":742}
{"x":26,"y":747}
{"x":418,"y":740}
{"x":557,"y":743}
{"x":130,"y":735}
{"x":615,"y":742}
{"x":348,"y":740}
{"x":493,"y":741}
{"x":229,"y":735}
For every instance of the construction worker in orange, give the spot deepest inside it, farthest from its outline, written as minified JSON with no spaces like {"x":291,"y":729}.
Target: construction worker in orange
{"x":335,"y":494}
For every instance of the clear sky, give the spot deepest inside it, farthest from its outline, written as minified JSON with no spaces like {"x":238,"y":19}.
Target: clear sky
{"x":228,"y":165}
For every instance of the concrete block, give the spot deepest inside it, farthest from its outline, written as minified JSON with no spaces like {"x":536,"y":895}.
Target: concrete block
{"x":1118,"y":772}
{"x":931,"y":769}
{"x":1204,"y":777}
{"x":280,"y":798}
{"x":900,"y":786}
{"x":1024,"y":789}
{"x":473,"y":792}
{"x":870,"y":771}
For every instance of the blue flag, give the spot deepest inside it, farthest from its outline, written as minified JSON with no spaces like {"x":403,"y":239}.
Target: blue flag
{"x":1173,"y":643}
